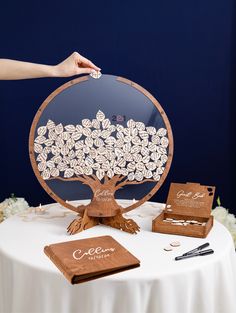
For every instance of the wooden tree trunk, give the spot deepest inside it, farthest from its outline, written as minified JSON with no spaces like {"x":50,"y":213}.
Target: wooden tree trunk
{"x":103,"y":209}
{"x":103,"y":203}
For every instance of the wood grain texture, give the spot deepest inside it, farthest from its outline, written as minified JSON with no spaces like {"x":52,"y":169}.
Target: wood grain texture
{"x":84,"y":221}
{"x":81,"y":223}
{"x":189,"y":201}
{"x":98,"y":209}
{"x":91,"y":258}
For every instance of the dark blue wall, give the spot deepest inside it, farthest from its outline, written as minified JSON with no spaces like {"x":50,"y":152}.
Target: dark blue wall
{"x":183,"y":52}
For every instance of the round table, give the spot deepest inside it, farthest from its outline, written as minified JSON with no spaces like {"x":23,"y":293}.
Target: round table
{"x":30,"y":282}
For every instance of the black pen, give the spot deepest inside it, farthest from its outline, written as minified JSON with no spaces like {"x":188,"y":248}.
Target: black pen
{"x":197,"y":249}
{"x":199,"y":253}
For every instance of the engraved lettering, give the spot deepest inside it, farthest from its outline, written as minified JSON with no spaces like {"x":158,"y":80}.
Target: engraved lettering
{"x":181,"y":193}
{"x":103,"y":195}
{"x":190,"y":194}
{"x":92,"y":253}
{"x":198,"y":195}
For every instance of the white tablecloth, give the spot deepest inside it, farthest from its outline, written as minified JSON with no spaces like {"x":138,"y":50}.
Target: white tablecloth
{"x":30,"y":282}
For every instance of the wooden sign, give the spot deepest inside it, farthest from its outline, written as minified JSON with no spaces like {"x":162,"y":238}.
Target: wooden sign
{"x":86,"y":259}
{"x":187,"y":211}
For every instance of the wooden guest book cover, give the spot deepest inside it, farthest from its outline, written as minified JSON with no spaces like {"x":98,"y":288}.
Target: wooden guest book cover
{"x":86,"y":259}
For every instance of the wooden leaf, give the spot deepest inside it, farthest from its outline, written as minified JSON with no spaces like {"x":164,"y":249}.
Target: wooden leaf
{"x":86,"y":123}
{"x":79,"y":128}
{"x":146,"y":159}
{"x":144,"y":151}
{"x":65,"y":136}
{"x":135,"y":149}
{"x":73,"y":163}
{"x":131,"y":123}
{"x":131,"y":166}
{"x":151,"y":130}
{"x":69,"y":172}
{"x":152,"y":147}
{"x":106,"y":123}
{"x":42,"y":166}
{"x":143,"y":134}
{"x":59,"y":129}
{"x":151,"y":166}
{"x":100,"y":116}
{"x":100,"y":174}
{"x":96,"y":124}
{"x":42,"y":130}
{"x":164,"y":142}
{"x":110,"y":140}
{"x":161,"y":132}
{"x":46,"y":174}
{"x":110,"y":173}
{"x":50,"y":164}
{"x":54,"y":172}
{"x":38,"y":148}
{"x":155,"y":139}
{"x":56,"y":159}
{"x":48,"y":142}
{"x":105,"y":133}
{"x":164,"y":158}
{"x":140,"y":126}
{"x":98,"y":142}
{"x":76,"y":135}
{"x":136,"y":140}
{"x":64,"y":150}
{"x":87,"y":132}
{"x":50,"y":124}
{"x":62,"y":166}
{"x":79,"y":144}
{"x":40,"y":139}
{"x":52,"y":135}
{"x":88,"y":170}
{"x":79,"y":170}
{"x":42,"y":157}
{"x":140,"y":166}
{"x":70,"y":128}
{"x":131,"y":176}
{"x":138,"y":176}
{"x":88,"y":141}
{"x":96,"y":133}
{"x":156,"y":177}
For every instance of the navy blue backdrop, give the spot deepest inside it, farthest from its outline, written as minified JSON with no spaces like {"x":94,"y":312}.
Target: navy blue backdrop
{"x":183,"y":52}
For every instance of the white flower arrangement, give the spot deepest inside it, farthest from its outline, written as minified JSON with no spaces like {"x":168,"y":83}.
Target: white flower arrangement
{"x":11,"y":206}
{"x":223,"y":216}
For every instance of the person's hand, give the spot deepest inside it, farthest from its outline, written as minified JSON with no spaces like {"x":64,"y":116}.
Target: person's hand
{"x":75,"y":64}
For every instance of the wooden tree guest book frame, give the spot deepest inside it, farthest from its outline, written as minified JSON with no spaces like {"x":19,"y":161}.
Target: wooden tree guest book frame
{"x":109,"y":157}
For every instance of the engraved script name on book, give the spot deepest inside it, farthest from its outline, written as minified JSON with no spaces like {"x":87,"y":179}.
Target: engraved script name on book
{"x":93,"y":253}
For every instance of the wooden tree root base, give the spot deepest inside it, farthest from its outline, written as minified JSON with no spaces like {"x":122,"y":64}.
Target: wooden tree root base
{"x":82,"y":223}
{"x":118,"y":221}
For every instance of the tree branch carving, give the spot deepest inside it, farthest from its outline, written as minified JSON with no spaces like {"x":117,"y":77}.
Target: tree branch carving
{"x":134,"y":182}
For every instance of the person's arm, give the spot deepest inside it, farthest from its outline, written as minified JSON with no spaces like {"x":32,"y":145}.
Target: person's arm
{"x":75,"y":64}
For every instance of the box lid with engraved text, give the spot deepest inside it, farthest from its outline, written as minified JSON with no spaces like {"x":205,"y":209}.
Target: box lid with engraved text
{"x":190,"y":199}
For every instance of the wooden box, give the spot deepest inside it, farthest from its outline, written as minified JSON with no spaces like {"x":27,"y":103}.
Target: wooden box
{"x":188,"y":202}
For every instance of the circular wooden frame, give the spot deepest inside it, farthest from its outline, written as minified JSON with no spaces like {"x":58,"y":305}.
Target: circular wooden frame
{"x":80,"y":80}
